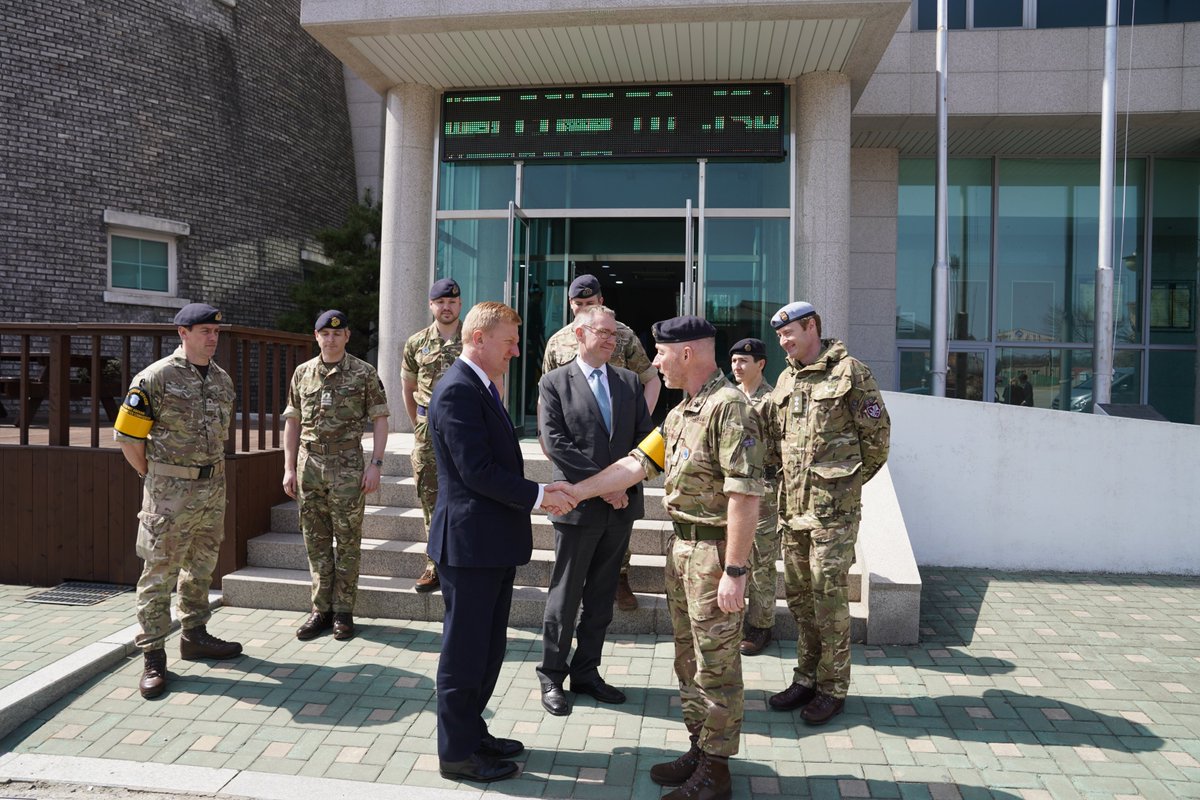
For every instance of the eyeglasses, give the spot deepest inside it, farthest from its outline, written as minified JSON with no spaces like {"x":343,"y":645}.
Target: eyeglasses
{"x":604,"y":334}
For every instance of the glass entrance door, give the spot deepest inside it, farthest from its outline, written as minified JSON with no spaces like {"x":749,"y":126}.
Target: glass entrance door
{"x":516,"y":294}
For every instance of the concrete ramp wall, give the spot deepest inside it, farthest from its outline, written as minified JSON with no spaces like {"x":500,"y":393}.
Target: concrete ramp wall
{"x":1008,"y":487}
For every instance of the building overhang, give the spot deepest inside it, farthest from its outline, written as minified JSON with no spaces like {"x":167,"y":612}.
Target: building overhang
{"x":1172,"y":133}
{"x":467,"y":44}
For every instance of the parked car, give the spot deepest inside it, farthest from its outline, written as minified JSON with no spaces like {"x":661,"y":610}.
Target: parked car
{"x":1125,"y":389}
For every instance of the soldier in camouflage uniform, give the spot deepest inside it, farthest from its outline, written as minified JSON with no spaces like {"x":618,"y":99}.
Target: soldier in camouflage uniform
{"x":428,"y":353}
{"x":330,"y":398}
{"x":712,"y":452}
{"x":172,"y":427}
{"x":562,"y":348}
{"x":833,"y":429}
{"x":748,"y":359}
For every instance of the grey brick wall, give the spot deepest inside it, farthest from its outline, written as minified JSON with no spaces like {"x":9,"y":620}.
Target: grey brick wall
{"x":232,"y":120}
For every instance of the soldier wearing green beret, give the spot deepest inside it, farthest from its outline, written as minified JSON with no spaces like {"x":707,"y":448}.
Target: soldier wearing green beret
{"x":330,"y":398}
{"x":711,"y":451}
{"x":428,"y":353}
{"x":833,"y":429}
{"x":172,"y":427}
{"x":748,"y":359}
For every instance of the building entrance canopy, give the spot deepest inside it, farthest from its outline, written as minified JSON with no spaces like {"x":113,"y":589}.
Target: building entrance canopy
{"x":460,"y":44}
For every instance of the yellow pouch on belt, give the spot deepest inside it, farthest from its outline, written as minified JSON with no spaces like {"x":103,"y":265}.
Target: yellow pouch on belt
{"x":134,"y":418}
{"x":654,"y":447}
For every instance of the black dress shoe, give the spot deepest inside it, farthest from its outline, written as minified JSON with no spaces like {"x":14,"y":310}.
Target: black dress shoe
{"x":600,"y":690}
{"x":478,"y":768}
{"x":495,"y":747}
{"x":554,"y":701}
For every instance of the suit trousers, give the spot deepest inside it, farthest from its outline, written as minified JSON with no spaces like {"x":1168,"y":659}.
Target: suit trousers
{"x":474,"y":638}
{"x":587,"y":563}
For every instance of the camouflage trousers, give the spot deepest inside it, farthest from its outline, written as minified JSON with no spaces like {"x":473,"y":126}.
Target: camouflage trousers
{"x":815,"y":567}
{"x":761,"y":583}
{"x":707,"y":661}
{"x":180,"y":528}
{"x":424,"y":467}
{"x":331,"y":511}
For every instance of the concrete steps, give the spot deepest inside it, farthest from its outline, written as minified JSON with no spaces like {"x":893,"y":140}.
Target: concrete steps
{"x":394,"y":555}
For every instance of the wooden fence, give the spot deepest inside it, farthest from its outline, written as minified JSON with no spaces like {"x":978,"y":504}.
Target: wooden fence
{"x":71,"y":511}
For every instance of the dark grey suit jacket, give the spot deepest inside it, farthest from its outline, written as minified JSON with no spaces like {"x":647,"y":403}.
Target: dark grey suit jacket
{"x":574,"y":436}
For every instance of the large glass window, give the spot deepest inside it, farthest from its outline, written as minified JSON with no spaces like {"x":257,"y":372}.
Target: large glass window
{"x":984,"y":14}
{"x":1172,"y":390}
{"x":1090,"y":13}
{"x":468,"y":187}
{"x":1061,"y":378}
{"x":1046,"y":242}
{"x":746,"y":272}
{"x":747,"y":185}
{"x":607,"y":185}
{"x":475,"y":253}
{"x":970,"y":231}
{"x":1176,"y":249}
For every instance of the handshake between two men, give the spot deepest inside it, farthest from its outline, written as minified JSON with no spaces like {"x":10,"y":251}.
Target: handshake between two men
{"x":609,"y":485}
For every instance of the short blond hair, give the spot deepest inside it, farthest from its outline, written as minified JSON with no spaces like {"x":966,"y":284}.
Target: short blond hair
{"x":485,"y":316}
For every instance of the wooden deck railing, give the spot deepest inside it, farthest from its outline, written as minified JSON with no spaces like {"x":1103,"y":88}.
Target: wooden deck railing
{"x":95,"y":362}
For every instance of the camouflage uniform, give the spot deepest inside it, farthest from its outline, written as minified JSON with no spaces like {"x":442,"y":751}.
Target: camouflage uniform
{"x":713,"y":448}
{"x":331,"y":401}
{"x":427,"y":356}
{"x":760,"y":586}
{"x":182,"y":521}
{"x":563,"y":347}
{"x":833,"y":429}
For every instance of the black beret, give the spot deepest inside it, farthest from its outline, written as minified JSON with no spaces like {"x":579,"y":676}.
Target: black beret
{"x":683,"y":329}
{"x":197,"y":314}
{"x":584,"y":286}
{"x":793,"y":311}
{"x":749,"y":347}
{"x":445,"y":287}
{"x":331,"y":319}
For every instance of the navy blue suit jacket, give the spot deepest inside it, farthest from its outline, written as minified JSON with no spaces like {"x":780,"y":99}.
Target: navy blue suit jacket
{"x":482,"y":514}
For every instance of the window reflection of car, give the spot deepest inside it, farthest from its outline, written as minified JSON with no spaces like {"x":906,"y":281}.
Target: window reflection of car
{"x":1124,"y":390}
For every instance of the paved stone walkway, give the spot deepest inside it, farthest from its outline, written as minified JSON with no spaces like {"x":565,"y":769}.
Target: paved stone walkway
{"x":1024,"y":686}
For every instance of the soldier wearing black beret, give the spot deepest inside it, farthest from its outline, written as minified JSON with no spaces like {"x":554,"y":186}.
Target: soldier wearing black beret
{"x":175,"y":439}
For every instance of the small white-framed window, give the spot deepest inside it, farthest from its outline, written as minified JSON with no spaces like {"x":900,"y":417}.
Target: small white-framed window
{"x":143,"y":259}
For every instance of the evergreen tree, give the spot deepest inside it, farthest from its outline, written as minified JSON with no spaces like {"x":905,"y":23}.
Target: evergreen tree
{"x":349,"y":283}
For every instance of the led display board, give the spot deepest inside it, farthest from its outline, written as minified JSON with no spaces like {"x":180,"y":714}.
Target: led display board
{"x":742,"y":120}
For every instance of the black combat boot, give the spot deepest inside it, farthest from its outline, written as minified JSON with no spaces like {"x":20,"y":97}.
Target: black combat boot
{"x":710,"y":781}
{"x":154,"y":674}
{"x":196,"y":643}
{"x":676,"y":773}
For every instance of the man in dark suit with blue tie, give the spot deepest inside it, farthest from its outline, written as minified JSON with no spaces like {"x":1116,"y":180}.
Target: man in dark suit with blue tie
{"x":590,"y":415}
{"x":479,"y":534}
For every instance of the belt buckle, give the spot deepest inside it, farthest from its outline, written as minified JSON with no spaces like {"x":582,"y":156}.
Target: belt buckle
{"x":206,"y":471}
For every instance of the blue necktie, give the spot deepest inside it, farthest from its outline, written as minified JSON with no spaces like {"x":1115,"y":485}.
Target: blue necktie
{"x":499,"y":403}
{"x":601,"y":398}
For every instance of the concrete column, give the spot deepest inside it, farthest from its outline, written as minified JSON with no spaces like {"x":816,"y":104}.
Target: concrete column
{"x":874,"y":178}
{"x":409,"y":133}
{"x":821,"y":115}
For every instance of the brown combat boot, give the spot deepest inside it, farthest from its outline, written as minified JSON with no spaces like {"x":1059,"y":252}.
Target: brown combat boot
{"x":154,"y":674}
{"x":756,"y":639}
{"x":676,"y":773}
{"x":626,"y":599}
{"x":710,"y":781}
{"x":822,"y":708}
{"x":197,"y":643}
{"x":317,"y":623}
{"x":343,"y":625}
{"x":429,"y":580}
{"x":791,"y":698}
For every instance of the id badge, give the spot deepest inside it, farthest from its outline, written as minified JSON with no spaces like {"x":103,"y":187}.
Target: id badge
{"x":326,"y":399}
{"x":210,"y":407}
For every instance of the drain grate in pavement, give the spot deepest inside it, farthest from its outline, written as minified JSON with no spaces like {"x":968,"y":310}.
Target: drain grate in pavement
{"x":76,"y":593}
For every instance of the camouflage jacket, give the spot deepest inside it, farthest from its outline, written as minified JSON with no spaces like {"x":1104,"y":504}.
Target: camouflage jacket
{"x":761,"y":401}
{"x":191,"y":413}
{"x":629,"y":354}
{"x":427,"y":356}
{"x":833,"y":432}
{"x":332,"y":400}
{"x":713,"y":448}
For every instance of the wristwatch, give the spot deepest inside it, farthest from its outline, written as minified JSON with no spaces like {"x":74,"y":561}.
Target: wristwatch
{"x":378,"y":462}
{"x":735,"y":572}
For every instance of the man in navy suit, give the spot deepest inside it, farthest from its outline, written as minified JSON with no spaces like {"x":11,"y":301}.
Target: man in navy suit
{"x":591,"y":414}
{"x":478,"y":535}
